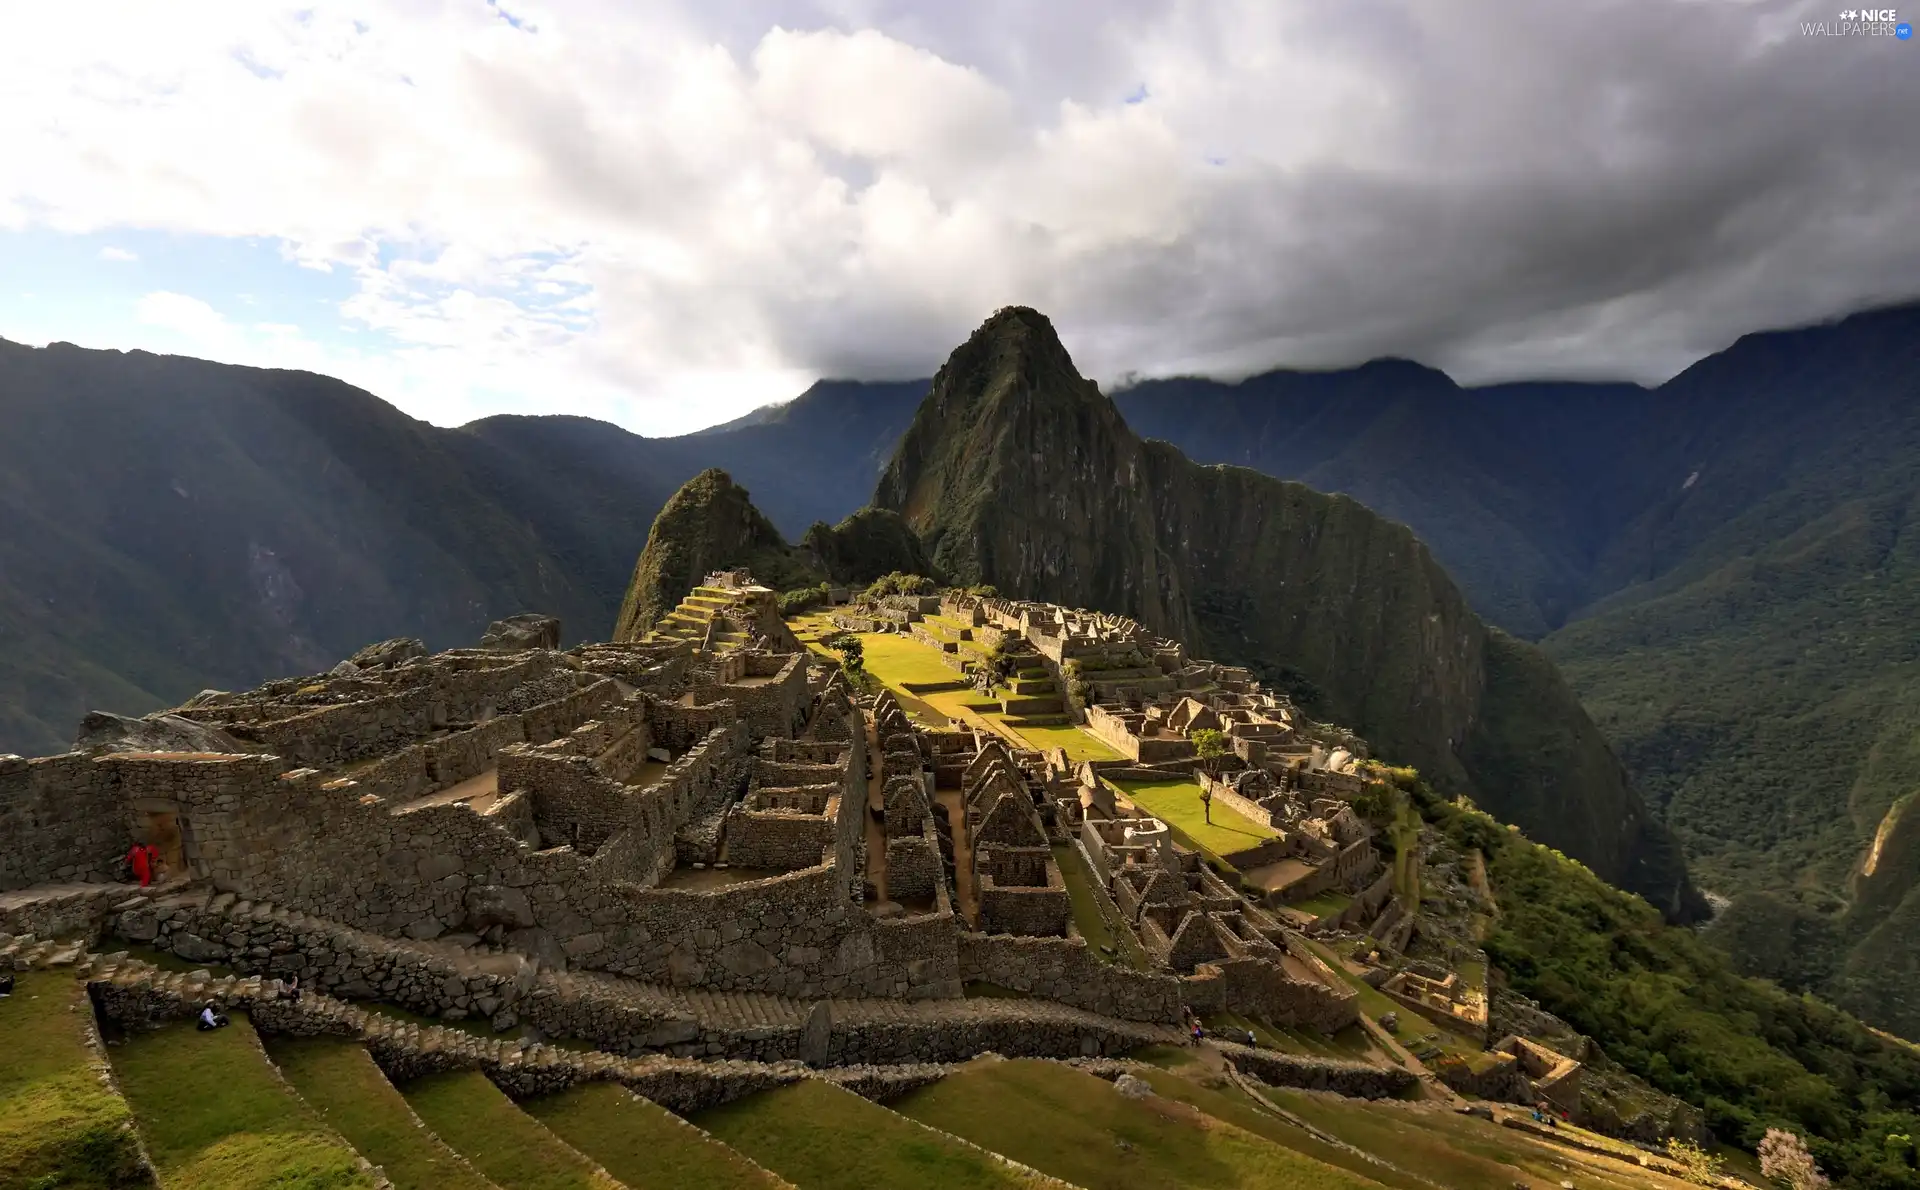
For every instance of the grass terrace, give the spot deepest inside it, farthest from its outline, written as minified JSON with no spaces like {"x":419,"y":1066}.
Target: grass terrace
{"x":506,"y":1144}
{"x":820,"y":1137}
{"x":1177,"y":803}
{"x":1460,"y":1151}
{"x":641,"y":1143}
{"x":339,"y":1078}
{"x":215,"y":1115}
{"x":1074,"y":1126}
{"x":1323,"y":904}
{"x":59,"y":1124}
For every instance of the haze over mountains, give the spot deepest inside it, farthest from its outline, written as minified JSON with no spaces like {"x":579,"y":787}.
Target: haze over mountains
{"x":1725,"y":567}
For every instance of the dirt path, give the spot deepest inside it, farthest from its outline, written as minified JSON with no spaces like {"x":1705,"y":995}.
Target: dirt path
{"x":876,"y":799}
{"x":956,"y":804}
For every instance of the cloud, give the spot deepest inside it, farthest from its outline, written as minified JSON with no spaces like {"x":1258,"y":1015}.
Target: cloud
{"x":119,"y":255}
{"x":188,"y":317}
{"x":664,"y":212}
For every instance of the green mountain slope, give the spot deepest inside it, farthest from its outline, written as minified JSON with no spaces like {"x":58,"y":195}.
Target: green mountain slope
{"x":711,"y":524}
{"x":175,"y":524}
{"x":1019,"y":473}
{"x":1757,"y":661}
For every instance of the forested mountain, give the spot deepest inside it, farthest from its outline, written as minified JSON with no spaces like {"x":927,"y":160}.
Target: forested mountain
{"x":1725,"y":568}
{"x":174,"y":524}
{"x":1019,"y":473}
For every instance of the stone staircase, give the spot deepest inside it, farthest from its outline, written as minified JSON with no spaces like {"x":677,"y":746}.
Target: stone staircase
{"x":702,"y":619}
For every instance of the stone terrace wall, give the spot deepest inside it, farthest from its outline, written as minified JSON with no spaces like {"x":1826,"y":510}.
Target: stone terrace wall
{"x":1064,"y":969}
{"x":61,"y":819}
{"x":1259,"y":988}
{"x":1354,"y":1079}
{"x":136,"y":996}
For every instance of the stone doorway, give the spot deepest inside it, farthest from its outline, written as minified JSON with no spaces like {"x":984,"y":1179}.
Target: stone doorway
{"x":164,"y":834}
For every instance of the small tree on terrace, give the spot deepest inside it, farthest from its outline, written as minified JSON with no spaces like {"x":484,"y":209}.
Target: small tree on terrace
{"x":1785,"y":1159}
{"x":1209,"y":744}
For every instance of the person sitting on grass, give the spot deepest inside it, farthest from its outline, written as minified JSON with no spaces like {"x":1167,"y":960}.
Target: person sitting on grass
{"x":211,"y":1020}
{"x":290,"y":988}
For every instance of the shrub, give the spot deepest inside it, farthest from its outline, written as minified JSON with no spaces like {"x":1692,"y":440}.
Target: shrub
{"x":792,"y":603}
{"x":900,"y":584}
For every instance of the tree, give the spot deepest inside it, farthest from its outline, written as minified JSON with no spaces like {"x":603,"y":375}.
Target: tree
{"x":1785,"y":1159}
{"x":1702,"y":1168}
{"x":1209,"y":744}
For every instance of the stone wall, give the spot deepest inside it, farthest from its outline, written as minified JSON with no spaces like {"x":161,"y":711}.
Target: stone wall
{"x":1064,"y":969}
{"x":1256,"y":987}
{"x":322,"y":848}
{"x":781,"y":840}
{"x":913,"y":865}
{"x":1353,"y":1079}
{"x":775,"y":707}
{"x":62,"y":820}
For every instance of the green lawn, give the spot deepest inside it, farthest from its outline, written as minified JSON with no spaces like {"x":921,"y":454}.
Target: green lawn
{"x":1078,"y":743}
{"x":56,"y":1118}
{"x":1077,"y":1127}
{"x":215,"y":1115}
{"x":1177,"y":803}
{"x":894,"y":659}
{"x":339,"y":1078}
{"x":642,"y":1143}
{"x":820,"y":1137}
{"x":512,"y":1148}
{"x":1323,"y":904}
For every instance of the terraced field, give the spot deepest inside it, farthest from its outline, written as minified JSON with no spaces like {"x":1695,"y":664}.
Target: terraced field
{"x":644,"y":1145}
{"x":1079,"y":1128}
{"x":340,"y":1079}
{"x":504,"y":1143}
{"x":56,"y":1116}
{"x":820,"y":1137}
{"x":215,"y":1114}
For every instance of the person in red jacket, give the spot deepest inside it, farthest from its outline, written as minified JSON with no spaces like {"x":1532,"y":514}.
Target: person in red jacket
{"x":140,"y":861}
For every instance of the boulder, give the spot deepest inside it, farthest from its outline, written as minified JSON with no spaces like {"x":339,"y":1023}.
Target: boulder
{"x":1132,"y":1087}
{"x":388,"y":653}
{"x":525,"y":631}
{"x":103,"y":731}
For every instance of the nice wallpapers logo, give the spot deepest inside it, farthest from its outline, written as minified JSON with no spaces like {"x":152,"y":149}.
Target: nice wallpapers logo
{"x":1860,"y":22}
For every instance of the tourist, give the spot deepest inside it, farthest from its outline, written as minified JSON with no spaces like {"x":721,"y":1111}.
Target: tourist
{"x":140,"y":863}
{"x":210,"y":1020}
{"x":6,"y":986}
{"x":290,"y":988}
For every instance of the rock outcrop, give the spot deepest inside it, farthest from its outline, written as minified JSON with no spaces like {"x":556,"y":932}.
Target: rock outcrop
{"x":103,"y":731}
{"x":527,"y":630}
{"x":1020,"y":473}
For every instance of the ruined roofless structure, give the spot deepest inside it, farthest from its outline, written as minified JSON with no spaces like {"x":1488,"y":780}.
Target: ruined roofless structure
{"x":700,"y":844}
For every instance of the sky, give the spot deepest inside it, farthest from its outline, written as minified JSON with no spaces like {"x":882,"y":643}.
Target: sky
{"x":667,"y":212}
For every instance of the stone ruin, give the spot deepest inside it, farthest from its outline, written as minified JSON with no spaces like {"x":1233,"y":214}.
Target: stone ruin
{"x":606,"y":842}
